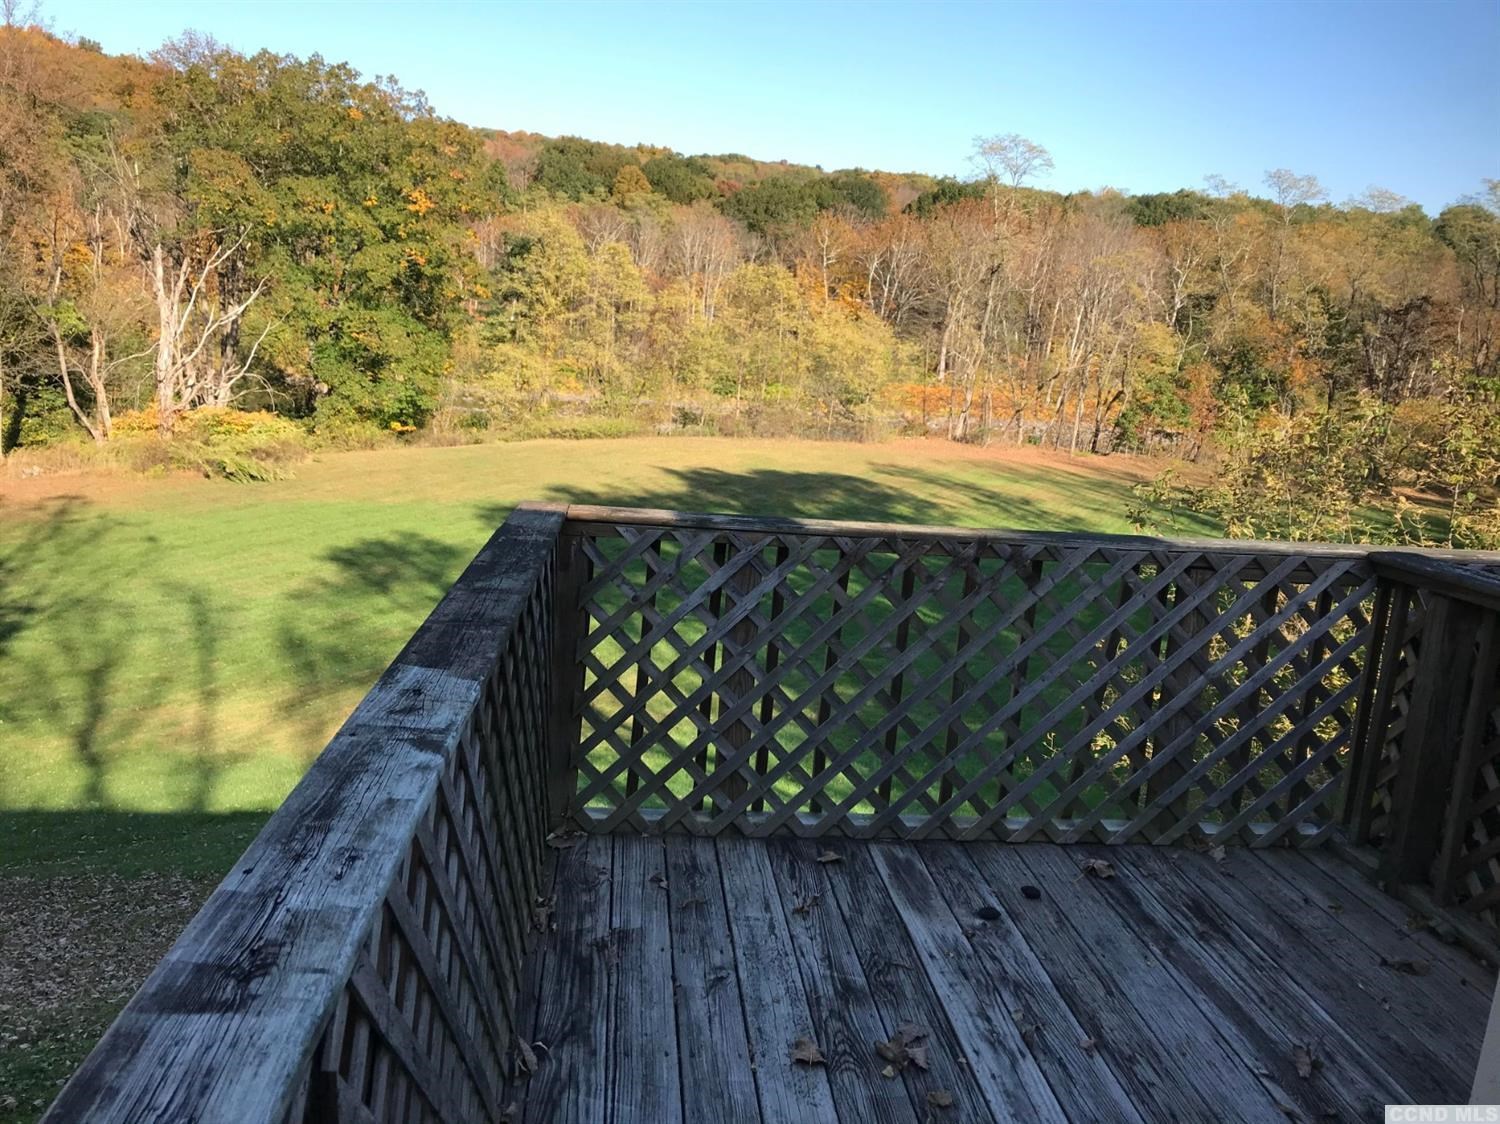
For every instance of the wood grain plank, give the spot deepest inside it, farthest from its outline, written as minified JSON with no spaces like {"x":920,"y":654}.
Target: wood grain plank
{"x":645,"y":1078}
{"x":718,"y":1079}
{"x":845,"y":1020}
{"x":571,"y":1032}
{"x":893,"y":971}
{"x":1246,"y":991}
{"x":1384,"y":926}
{"x":1399,"y":1025}
{"x":1167,"y":1053}
{"x":1012,"y":1082}
{"x":1078,"y":1074}
{"x":776,"y":1009}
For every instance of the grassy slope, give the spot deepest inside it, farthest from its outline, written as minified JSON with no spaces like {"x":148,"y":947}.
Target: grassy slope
{"x":177,"y":650}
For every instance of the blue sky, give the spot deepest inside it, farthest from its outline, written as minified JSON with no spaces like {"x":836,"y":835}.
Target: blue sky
{"x":1142,"y":96}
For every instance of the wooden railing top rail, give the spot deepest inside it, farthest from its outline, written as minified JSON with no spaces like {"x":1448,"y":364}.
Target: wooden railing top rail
{"x":225,"y":1025}
{"x":1430,"y":573}
{"x":602,"y":518}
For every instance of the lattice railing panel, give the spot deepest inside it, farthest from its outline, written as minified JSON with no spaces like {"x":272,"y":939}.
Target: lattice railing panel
{"x":768,"y":681}
{"x":427,"y":1025}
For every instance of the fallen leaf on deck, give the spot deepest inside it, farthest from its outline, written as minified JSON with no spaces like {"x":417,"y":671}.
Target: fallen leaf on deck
{"x":830,"y":857}
{"x":658,"y":879}
{"x":1027,"y":1026}
{"x":1088,"y":1045}
{"x":541,"y":914}
{"x":1218,"y":854}
{"x":1407,"y":967}
{"x":806,"y":1051}
{"x":1099,"y":868}
{"x":560,"y":840}
{"x":804,"y":906}
{"x":1305,"y":1061}
{"x":888,"y":1071}
{"x":525,"y":1056}
{"x":940,"y":1098}
{"x":988,"y":913}
{"x":1335,"y":907}
{"x":904,"y":1047}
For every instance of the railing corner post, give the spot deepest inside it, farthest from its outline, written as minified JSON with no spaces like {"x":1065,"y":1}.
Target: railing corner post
{"x":570,"y":573}
{"x":1429,"y":751}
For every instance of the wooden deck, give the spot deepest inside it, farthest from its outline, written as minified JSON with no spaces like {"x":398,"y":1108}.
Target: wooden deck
{"x":678,"y":973}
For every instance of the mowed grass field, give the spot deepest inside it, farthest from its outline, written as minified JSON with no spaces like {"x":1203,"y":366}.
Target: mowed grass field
{"x":174,"y":653}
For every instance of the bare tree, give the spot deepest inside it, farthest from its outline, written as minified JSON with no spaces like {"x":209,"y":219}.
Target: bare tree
{"x":1381,"y":200}
{"x":1219,"y":187}
{"x":193,"y":314}
{"x":1290,"y":191}
{"x":706,"y":247}
{"x":1010,"y":157}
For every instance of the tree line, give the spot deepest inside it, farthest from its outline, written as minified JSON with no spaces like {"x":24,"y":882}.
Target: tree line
{"x":202,"y":230}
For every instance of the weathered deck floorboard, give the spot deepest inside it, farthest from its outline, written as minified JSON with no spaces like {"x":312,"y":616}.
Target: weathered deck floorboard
{"x":681,"y":970}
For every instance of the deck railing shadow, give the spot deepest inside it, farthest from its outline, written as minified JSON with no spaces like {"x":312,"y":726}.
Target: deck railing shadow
{"x":611,"y":670}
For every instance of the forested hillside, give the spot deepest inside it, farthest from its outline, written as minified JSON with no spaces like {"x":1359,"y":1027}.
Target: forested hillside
{"x":213,"y":259}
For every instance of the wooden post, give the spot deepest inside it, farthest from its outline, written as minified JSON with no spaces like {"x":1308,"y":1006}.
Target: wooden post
{"x":1429,"y":751}
{"x":570,"y":574}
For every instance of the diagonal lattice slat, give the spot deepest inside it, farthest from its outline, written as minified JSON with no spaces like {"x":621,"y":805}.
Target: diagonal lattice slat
{"x":817,"y":683}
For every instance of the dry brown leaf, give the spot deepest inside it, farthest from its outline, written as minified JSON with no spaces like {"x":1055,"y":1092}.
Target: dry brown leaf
{"x":525,"y":1056}
{"x":1098,"y":868}
{"x":830,"y":857}
{"x":1407,"y":966}
{"x":1305,"y":1061}
{"x":911,"y":1032}
{"x":658,"y":879}
{"x":888,"y":1071}
{"x":1088,"y":1045}
{"x":561,"y":840}
{"x":541,"y":914}
{"x":1218,"y":854}
{"x":806,"y":904}
{"x":905,"y":1047}
{"x":806,"y":1051}
{"x":940,"y":1098}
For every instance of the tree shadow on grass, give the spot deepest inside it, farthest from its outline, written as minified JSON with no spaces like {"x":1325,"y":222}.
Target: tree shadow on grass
{"x":782,"y":493}
{"x":80,"y":663}
{"x":344,"y":627}
{"x":1024,"y":497}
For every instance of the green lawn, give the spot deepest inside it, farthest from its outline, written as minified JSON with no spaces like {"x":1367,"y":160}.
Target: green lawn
{"x":177,"y":650}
